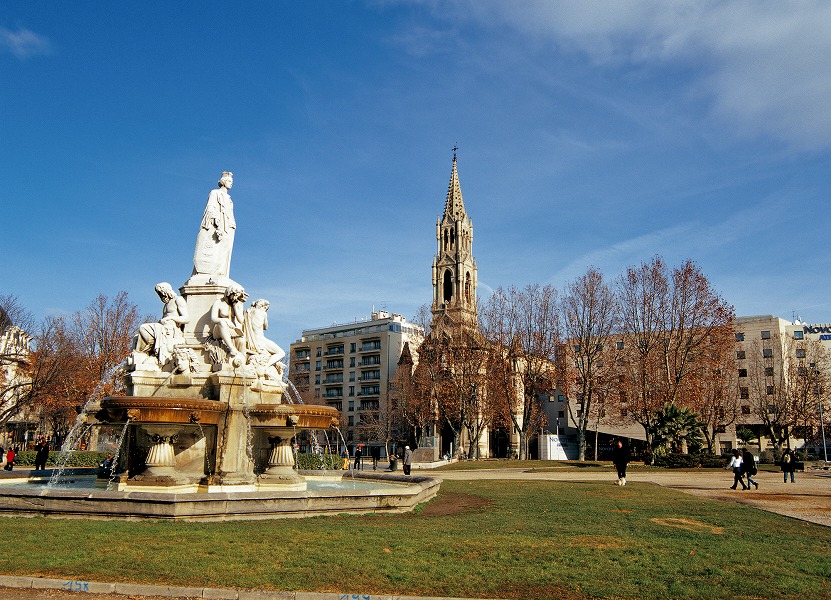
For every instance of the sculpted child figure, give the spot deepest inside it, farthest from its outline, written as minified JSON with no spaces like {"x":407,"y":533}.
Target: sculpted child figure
{"x":215,"y":239}
{"x":228,"y":317}
{"x":159,"y":339}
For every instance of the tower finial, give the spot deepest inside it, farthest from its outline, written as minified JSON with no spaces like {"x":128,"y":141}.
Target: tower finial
{"x":455,"y":147}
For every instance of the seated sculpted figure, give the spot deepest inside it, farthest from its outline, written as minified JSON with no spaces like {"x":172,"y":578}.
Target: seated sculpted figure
{"x":227,"y":317}
{"x":159,"y":339}
{"x":264,"y":353}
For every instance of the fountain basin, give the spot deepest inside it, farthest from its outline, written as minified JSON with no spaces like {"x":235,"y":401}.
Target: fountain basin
{"x":145,"y":409}
{"x":392,"y":494}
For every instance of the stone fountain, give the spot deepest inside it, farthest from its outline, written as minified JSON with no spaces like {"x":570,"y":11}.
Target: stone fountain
{"x":207,"y":432}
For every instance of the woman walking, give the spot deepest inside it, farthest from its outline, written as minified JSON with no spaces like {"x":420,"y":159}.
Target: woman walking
{"x":736,"y":465}
{"x":620,"y":458}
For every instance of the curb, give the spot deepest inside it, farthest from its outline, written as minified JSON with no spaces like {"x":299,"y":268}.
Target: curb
{"x":133,"y":589}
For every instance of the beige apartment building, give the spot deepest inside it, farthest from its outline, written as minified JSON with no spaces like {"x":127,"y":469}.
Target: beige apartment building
{"x":783,"y":378}
{"x":782,"y":384}
{"x":350,"y":366}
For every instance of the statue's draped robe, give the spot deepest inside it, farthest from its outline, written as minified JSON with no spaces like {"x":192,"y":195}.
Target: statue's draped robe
{"x":212,"y":256}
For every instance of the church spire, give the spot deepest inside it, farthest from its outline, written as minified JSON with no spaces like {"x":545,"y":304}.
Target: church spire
{"x":454,"y":206}
{"x":454,"y":268}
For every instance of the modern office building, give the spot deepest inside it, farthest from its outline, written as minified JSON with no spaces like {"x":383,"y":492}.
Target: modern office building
{"x":350,"y":366}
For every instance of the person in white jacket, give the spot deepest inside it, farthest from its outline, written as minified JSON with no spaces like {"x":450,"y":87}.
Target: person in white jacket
{"x":736,"y":465}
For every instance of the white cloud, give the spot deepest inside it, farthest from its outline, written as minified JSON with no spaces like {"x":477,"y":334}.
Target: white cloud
{"x":762,"y":65}
{"x":24,"y":43}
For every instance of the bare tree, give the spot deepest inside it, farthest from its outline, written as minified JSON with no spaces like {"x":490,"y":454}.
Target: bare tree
{"x":715,"y":400}
{"x":589,"y":313}
{"x":104,"y":333}
{"x":523,"y":328}
{"x":668,"y":321}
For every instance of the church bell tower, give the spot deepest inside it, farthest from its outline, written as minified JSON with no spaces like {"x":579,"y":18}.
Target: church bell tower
{"x":454,"y":268}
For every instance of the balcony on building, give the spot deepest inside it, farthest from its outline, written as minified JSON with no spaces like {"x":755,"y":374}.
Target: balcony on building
{"x":370,"y":376}
{"x":337,"y":405}
{"x":334,"y":350}
{"x":370,"y":405}
{"x":333,"y":364}
{"x":333,"y":378}
{"x":370,"y":346}
{"x":334,"y":393}
{"x":303,"y":354}
{"x":370,"y":361}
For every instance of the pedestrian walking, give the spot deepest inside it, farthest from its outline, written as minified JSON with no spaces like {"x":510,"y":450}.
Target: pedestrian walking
{"x":358,"y":454}
{"x":620,"y":458}
{"x":42,"y":454}
{"x":375,"y":452}
{"x":788,"y":465}
{"x":736,"y":466}
{"x":10,"y":453}
{"x":749,"y":467}
{"x":345,"y":458}
{"x":408,"y":459}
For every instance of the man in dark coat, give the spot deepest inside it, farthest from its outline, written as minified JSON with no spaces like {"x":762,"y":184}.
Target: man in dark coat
{"x":42,"y":448}
{"x":749,"y":467}
{"x":620,"y":458}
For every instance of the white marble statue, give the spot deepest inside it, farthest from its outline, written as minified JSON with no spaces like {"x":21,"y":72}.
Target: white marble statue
{"x":265,"y":355}
{"x":160,"y":339}
{"x":215,"y":239}
{"x":228,"y":318}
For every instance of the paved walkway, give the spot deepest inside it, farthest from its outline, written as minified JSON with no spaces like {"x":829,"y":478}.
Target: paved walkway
{"x":808,"y":499}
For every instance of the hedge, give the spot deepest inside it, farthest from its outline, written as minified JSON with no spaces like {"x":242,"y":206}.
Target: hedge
{"x":79,"y":458}
{"x":319,"y":462}
{"x":677,"y":460}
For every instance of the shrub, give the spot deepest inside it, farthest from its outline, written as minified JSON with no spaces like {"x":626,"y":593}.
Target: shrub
{"x":318,"y":462}
{"x":767,"y":457}
{"x":79,"y":458}
{"x":676,"y":460}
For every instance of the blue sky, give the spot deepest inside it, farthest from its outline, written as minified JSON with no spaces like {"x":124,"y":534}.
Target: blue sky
{"x":589,"y":134}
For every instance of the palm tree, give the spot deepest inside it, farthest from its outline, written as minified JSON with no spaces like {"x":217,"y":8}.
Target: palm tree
{"x":675,"y":428}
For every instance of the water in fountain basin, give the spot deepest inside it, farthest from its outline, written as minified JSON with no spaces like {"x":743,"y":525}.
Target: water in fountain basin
{"x":117,"y":455}
{"x":249,"y":434}
{"x":70,"y":444}
{"x":349,"y":462}
{"x":79,"y":429}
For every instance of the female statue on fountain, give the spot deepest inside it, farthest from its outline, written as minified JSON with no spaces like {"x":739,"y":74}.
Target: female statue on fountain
{"x":215,"y":239}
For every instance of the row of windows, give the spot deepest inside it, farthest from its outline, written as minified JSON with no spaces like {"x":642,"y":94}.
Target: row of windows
{"x":365,"y":405}
{"x":367,"y":361}
{"x":765,"y":335}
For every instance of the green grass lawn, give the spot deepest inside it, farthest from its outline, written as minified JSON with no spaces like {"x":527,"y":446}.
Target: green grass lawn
{"x":479,"y":538}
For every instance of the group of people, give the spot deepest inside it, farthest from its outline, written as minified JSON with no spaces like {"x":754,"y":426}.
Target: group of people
{"x":743,"y":464}
{"x":41,"y":455}
{"x":8,"y":455}
{"x":376,"y":455}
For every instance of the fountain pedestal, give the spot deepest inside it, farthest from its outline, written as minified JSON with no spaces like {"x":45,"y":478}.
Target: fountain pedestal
{"x":161,"y":459}
{"x":281,"y":461}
